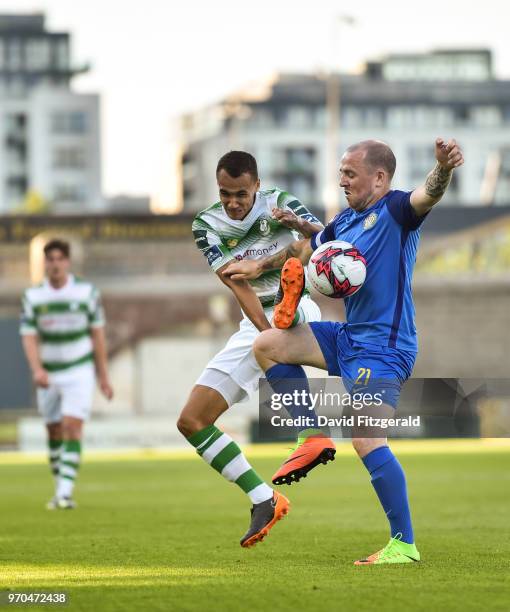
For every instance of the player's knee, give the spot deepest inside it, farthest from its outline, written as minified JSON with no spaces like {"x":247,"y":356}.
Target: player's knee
{"x":188,"y":425}
{"x":268,"y":346}
{"x":363,"y":446}
{"x":360,"y":446}
{"x":55,"y":431}
{"x":71,"y":431}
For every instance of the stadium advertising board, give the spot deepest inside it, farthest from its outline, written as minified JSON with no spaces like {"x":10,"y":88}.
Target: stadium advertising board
{"x":96,"y":227}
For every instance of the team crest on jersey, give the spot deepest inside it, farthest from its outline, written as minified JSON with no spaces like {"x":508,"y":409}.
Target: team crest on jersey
{"x":369,"y":222}
{"x":232,"y":242}
{"x":264,"y":227}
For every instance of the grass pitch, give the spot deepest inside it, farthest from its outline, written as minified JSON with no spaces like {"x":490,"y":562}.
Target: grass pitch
{"x":162,"y":533}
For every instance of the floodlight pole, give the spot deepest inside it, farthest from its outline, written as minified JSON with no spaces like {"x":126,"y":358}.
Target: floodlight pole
{"x":332,"y":141}
{"x":333,"y":114}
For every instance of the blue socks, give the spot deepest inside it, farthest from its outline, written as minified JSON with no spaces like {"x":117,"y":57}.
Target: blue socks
{"x":291,"y":379}
{"x":389,"y":482}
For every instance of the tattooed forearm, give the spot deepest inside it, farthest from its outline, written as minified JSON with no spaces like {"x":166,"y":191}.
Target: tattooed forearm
{"x":276,"y":261}
{"x":437,"y":181}
{"x":300,"y":249}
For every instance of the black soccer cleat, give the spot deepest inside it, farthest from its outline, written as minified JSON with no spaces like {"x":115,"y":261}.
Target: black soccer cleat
{"x":263,"y":518}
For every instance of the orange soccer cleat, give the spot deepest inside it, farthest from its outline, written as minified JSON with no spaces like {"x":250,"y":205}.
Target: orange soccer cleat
{"x":263,"y":517}
{"x":292,"y":285}
{"x":314,"y":450}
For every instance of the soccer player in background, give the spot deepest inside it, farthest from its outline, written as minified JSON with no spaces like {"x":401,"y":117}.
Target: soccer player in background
{"x":62,"y":328}
{"x":248,"y":223}
{"x":378,"y":342}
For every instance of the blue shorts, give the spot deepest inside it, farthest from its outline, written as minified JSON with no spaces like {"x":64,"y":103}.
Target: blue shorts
{"x":364,"y":368}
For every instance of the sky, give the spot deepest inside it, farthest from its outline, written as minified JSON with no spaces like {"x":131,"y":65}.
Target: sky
{"x":156,"y":59}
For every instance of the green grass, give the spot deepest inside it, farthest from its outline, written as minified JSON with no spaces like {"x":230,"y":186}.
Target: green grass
{"x":162,"y":534}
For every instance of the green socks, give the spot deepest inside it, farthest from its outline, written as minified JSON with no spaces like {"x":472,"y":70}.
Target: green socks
{"x":222,"y":453}
{"x":68,"y":467}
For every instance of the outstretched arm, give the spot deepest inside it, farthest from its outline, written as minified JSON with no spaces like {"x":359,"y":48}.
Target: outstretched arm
{"x":250,"y":269}
{"x":449,"y":156}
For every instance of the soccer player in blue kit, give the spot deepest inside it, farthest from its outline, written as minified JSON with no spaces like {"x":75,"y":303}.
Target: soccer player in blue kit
{"x":377,"y":345}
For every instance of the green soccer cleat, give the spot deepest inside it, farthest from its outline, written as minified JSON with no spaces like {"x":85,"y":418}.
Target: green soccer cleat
{"x":395,"y":551}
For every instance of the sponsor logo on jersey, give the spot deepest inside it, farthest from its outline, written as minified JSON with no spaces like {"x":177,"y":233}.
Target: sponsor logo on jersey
{"x":264,"y":227}
{"x":369,"y":222}
{"x":257,"y":252}
{"x":232,"y":242}
{"x":213,"y":254}
{"x":73,"y":306}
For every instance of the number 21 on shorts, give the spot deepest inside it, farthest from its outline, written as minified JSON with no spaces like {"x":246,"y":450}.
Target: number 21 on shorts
{"x":363,"y":376}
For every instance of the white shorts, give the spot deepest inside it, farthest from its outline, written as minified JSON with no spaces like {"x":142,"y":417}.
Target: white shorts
{"x":70,"y":394}
{"x":234,"y":371}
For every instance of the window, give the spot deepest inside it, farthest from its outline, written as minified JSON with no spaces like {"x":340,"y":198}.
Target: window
{"x":486,"y":116}
{"x":420,"y":116}
{"x":300,"y":160}
{"x":300,"y":117}
{"x":372,"y":117}
{"x":77,"y":122}
{"x":37,"y":54}
{"x":401,"y":117}
{"x":69,"y":157}
{"x":444,"y":117}
{"x":293,"y":160}
{"x":421,"y":161}
{"x":362,"y":117}
{"x":14,"y":61}
{"x":17,"y":86}
{"x":62,"y":54}
{"x":74,"y":122}
{"x":294,"y":169}
{"x":461,"y":114}
{"x":17,"y":184}
{"x":303,"y":187}
{"x":15,"y":123}
{"x":261,"y":117}
{"x":280,"y":115}
{"x":69,"y":192}
{"x":351,"y":117}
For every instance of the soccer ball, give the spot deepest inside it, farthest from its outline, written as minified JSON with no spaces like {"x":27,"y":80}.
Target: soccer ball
{"x":337,"y":269}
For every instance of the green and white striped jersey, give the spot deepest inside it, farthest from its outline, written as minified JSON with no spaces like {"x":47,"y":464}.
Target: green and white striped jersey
{"x":222,"y":239}
{"x":62,"y":318}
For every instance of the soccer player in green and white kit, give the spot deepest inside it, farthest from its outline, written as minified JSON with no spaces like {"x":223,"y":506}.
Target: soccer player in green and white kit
{"x":62,"y":328}
{"x":247,"y":224}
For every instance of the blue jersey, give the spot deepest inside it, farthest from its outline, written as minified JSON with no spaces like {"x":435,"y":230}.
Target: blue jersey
{"x":387,"y":234}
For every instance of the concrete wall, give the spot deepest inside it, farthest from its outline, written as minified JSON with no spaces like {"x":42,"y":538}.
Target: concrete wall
{"x":464,"y":327}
